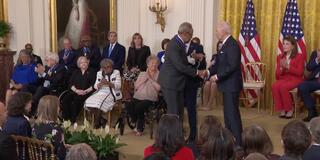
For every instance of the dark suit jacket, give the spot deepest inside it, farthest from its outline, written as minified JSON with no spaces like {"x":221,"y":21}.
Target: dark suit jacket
{"x":138,"y":57}
{"x":17,"y":125}
{"x":312,"y":66}
{"x":176,"y":67}
{"x":195,"y":81}
{"x":7,"y":147}
{"x":71,"y":61}
{"x":56,"y":78}
{"x":94,"y":55}
{"x":312,"y":153}
{"x":36,"y":59}
{"x":227,"y":67}
{"x":118,"y":55}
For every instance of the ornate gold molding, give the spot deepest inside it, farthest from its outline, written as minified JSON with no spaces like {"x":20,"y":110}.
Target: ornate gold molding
{"x":53,"y":21}
{"x":4,"y":10}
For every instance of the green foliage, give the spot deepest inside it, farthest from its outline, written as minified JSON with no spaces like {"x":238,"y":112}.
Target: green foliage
{"x":105,"y":146}
{"x":5,"y":28}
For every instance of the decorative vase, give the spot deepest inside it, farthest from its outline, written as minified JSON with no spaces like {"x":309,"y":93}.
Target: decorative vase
{"x":3,"y":43}
{"x":115,"y":157}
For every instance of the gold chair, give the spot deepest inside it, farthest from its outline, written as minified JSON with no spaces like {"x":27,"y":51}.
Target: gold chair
{"x":33,"y":149}
{"x":254,"y":79}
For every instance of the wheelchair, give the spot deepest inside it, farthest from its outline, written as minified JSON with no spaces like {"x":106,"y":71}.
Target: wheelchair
{"x":152,"y":116}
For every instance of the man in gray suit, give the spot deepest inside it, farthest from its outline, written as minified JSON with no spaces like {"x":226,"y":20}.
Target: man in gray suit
{"x":173,"y":72}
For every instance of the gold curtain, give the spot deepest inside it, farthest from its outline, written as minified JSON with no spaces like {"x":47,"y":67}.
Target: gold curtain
{"x":269,"y":15}
{"x":3,"y":10}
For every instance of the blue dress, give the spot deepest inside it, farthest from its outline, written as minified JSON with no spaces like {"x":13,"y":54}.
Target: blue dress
{"x":24,"y":74}
{"x":160,"y":56}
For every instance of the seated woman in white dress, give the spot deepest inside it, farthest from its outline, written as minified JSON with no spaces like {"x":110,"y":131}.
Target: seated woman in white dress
{"x":108,"y":86}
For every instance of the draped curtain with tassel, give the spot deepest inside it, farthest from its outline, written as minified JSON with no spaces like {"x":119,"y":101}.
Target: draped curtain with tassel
{"x":269,"y":14}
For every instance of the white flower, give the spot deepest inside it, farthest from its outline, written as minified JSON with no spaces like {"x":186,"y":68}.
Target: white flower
{"x":117,"y":127}
{"x":54,"y":132}
{"x":75,"y":126}
{"x":86,"y":123}
{"x":66,"y":124}
{"x":107,"y":129}
{"x":117,"y":140}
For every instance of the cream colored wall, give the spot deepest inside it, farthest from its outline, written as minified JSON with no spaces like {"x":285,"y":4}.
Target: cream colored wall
{"x":30,"y":21}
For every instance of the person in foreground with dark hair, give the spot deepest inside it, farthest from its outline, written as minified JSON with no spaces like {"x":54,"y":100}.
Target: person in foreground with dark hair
{"x":157,"y":156}
{"x":314,"y":151}
{"x":169,"y":140}
{"x":296,"y":139}
{"x":17,"y":123}
{"x":255,"y":139}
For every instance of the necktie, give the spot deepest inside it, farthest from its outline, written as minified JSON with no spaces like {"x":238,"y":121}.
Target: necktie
{"x":110,"y":50}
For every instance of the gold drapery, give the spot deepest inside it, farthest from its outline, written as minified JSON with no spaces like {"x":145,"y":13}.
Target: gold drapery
{"x":269,"y":15}
{"x":3,"y":10}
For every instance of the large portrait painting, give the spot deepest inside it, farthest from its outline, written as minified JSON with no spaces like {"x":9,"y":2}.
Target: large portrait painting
{"x":75,"y":18}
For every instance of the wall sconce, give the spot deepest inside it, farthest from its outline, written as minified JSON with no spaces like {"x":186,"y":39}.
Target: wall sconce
{"x":158,"y":7}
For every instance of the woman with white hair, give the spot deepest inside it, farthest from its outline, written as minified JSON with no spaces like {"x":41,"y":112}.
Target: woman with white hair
{"x":80,"y":88}
{"x":51,"y":77}
{"x":108,"y":86}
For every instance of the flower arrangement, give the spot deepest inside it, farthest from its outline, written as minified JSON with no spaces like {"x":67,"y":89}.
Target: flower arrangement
{"x":101,"y":140}
{"x":5,"y":28}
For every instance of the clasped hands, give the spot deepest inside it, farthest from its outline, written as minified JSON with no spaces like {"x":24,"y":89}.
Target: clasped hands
{"x":205,"y":73}
{"x":39,"y":69}
{"x":104,"y":82}
{"x":284,"y":63}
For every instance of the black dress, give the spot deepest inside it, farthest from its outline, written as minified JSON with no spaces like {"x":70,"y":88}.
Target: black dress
{"x":137,"y":57}
{"x":72,"y":102}
{"x":52,"y":133}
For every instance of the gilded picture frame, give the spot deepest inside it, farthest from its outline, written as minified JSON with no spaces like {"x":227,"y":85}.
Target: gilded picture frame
{"x":105,"y":19}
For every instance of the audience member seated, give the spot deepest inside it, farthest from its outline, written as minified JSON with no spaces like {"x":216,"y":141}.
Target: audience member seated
{"x":256,"y":156}
{"x":296,"y":139}
{"x":68,"y":56}
{"x":289,"y":74}
{"x":46,"y":124}
{"x":80,"y":88}
{"x":311,"y":84}
{"x":314,"y":151}
{"x":90,"y":51}
{"x":115,"y":51}
{"x":208,"y":129}
{"x":146,"y":93}
{"x":210,"y":89}
{"x":157,"y":156}
{"x":52,"y":80}
{"x":81,"y":152}
{"x":137,"y":54}
{"x":23,"y":74}
{"x":169,"y":139}
{"x":161,"y":54}
{"x":256,"y":140}
{"x":17,"y":123}
{"x":34,"y":58}
{"x":108,"y":86}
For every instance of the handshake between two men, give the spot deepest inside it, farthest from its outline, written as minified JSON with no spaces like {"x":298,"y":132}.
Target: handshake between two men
{"x":204,"y":74}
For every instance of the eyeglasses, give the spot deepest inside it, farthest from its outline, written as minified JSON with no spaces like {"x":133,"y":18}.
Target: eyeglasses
{"x":169,"y":115}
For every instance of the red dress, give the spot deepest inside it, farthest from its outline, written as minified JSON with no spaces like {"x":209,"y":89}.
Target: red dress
{"x":183,"y":154}
{"x":286,"y":80}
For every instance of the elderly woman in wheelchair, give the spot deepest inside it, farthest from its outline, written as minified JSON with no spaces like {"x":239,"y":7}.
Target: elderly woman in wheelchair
{"x":79,"y":89}
{"x":108,"y":86}
{"x":146,"y":91}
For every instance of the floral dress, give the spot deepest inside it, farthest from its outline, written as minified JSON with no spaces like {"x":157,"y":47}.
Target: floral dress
{"x":53,"y":133}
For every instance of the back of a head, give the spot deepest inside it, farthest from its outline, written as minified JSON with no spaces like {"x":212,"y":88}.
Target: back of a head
{"x":81,"y":152}
{"x":48,"y":108}
{"x":221,"y":146}
{"x":315,"y":129}
{"x":209,"y":127}
{"x":17,"y":103}
{"x":169,"y":136}
{"x":255,"y":156}
{"x":296,"y":138}
{"x":256,"y":139}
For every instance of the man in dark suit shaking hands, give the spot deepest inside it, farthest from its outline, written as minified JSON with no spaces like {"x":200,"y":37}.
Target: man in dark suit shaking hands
{"x":173,"y":72}
{"x":227,"y":74}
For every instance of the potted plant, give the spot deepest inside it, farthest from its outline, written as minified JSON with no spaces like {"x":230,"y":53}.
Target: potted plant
{"x":101,"y":140}
{"x":5,"y":29}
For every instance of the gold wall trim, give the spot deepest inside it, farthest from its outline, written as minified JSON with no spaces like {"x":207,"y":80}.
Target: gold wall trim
{"x":4,"y":10}
{"x":53,"y":22}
